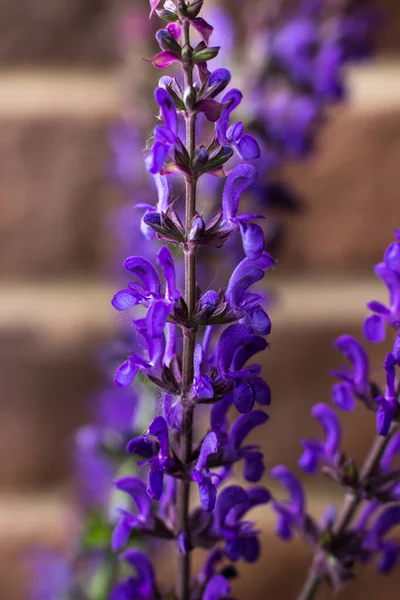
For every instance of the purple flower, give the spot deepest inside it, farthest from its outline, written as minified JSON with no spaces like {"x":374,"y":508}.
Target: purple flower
{"x":238,"y":180}
{"x":376,"y":541}
{"x":166,"y":136}
{"x":143,"y":520}
{"x":244,"y":144}
{"x":157,"y":454}
{"x":356,"y":381}
{"x":151,"y":211}
{"x":387,"y":404}
{"x":139,"y":587}
{"x":202,"y":476}
{"x":217,"y":587}
{"x":375,"y":324}
{"x":245,"y":304}
{"x":291,"y":513}
{"x":241,"y":541}
{"x":327,"y":451}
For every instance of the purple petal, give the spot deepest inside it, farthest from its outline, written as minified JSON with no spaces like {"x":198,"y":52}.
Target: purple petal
{"x":175,"y":30}
{"x":159,"y":429}
{"x":157,"y":316}
{"x":392,"y":256}
{"x":247,"y":349}
{"x":126,"y":374}
{"x":387,"y":520}
{"x":253,"y":240}
{"x":211,"y":109}
{"x":260,"y":321}
{"x":143,"y":447}
{"x":384,"y":416}
{"x":218,"y":81}
{"x":246,"y":274}
{"x":168,"y":109}
{"x":167,"y":264}
{"x":293,"y":485}
{"x":253,"y":466}
{"x":219,"y":410}
{"x":262,"y":392}
{"x":204,"y":29}
{"x":330,"y":423}
{"x":230,"y":340}
{"x":137,"y":491}
{"x":244,"y":425}
{"x":125,"y":299}
{"x":154,"y":4}
{"x":208,"y":495}
{"x":209,"y":302}
{"x":355,"y":353}
{"x":145,"y":271}
{"x":208,"y":447}
{"x":231,"y":99}
{"x":343,"y":397}
{"x":243,"y":398}
{"x":392,"y":281}
{"x":122,"y":531}
{"x":389,"y":558}
{"x":161,"y":182}
{"x":155,"y":482}
{"x":217,"y":588}
{"x":374,"y":328}
{"x":308,"y":461}
{"x":238,"y":180}
{"x":391,"y":452}
{"x":156,"y":158}
{"x":235,"y":132}
{"x":231,"y":497}
{"x":145,"y":579}
{"x":173,"y":412}
{"x":248,"y":148}
{"x":378,"y":307}
{"x":251,"y":549}
{"x":164,"y":59}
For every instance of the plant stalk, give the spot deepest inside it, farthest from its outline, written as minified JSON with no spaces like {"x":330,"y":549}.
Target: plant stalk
{"x":189,"y":343}
{"x":349,"y":508}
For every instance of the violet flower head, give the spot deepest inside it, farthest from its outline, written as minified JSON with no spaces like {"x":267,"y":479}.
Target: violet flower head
{"x":389,"y":272}
{"x":141,"y":586}
{"x":327,"y":451}
{"x":355,"y":382}
{"x":291,"y":513}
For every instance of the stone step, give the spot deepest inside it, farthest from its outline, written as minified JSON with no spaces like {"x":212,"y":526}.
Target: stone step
{"x":51,"y":334}
{"x":56,"y":199}
{"x":48,"y":519}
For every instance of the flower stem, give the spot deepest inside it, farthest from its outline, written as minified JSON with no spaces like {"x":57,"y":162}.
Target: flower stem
{"x":189,"y":343}
{"x":349,"y":508}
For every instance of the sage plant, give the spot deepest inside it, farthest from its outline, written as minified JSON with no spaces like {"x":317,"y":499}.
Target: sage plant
{"x":195,"y":344}
{"x":359,"y":532}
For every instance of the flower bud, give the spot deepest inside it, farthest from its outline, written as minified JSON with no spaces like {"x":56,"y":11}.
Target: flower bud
{"x":194,"y":8}
{"x":205,"y":54}
{"x":200,"y":159}
{"x":167,"y":42}
{"x":190,"y":98}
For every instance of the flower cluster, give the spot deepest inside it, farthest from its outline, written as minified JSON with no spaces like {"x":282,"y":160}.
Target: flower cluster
{"x":340,"y":541}
{"x":196,"y":347}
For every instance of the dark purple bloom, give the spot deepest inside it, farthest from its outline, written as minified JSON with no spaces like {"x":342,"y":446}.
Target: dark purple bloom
{"x":241,"y":541}
{"x":166,"y":136}
{"x":201,"y":474}
{"x":142,"y":520}
{"x":375,"y":324}
{"x":238,"y":180}
{"x":387,"y":404}
{"x":356,"y":381}
{"x":139,"y":587}
{"x":291,"y":514}
{"x":376,"y":541}
{"x":217,"y":587}
{"x":157,"y":454}
{"x":327,"y":451}
{"x":244,"y":144}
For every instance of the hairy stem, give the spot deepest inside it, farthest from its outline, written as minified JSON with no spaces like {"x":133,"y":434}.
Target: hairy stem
{"x":189,"y":343}
{"x":349,"y":508}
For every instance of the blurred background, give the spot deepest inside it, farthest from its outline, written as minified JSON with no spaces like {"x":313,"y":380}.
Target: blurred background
{"x":68,"y":70}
